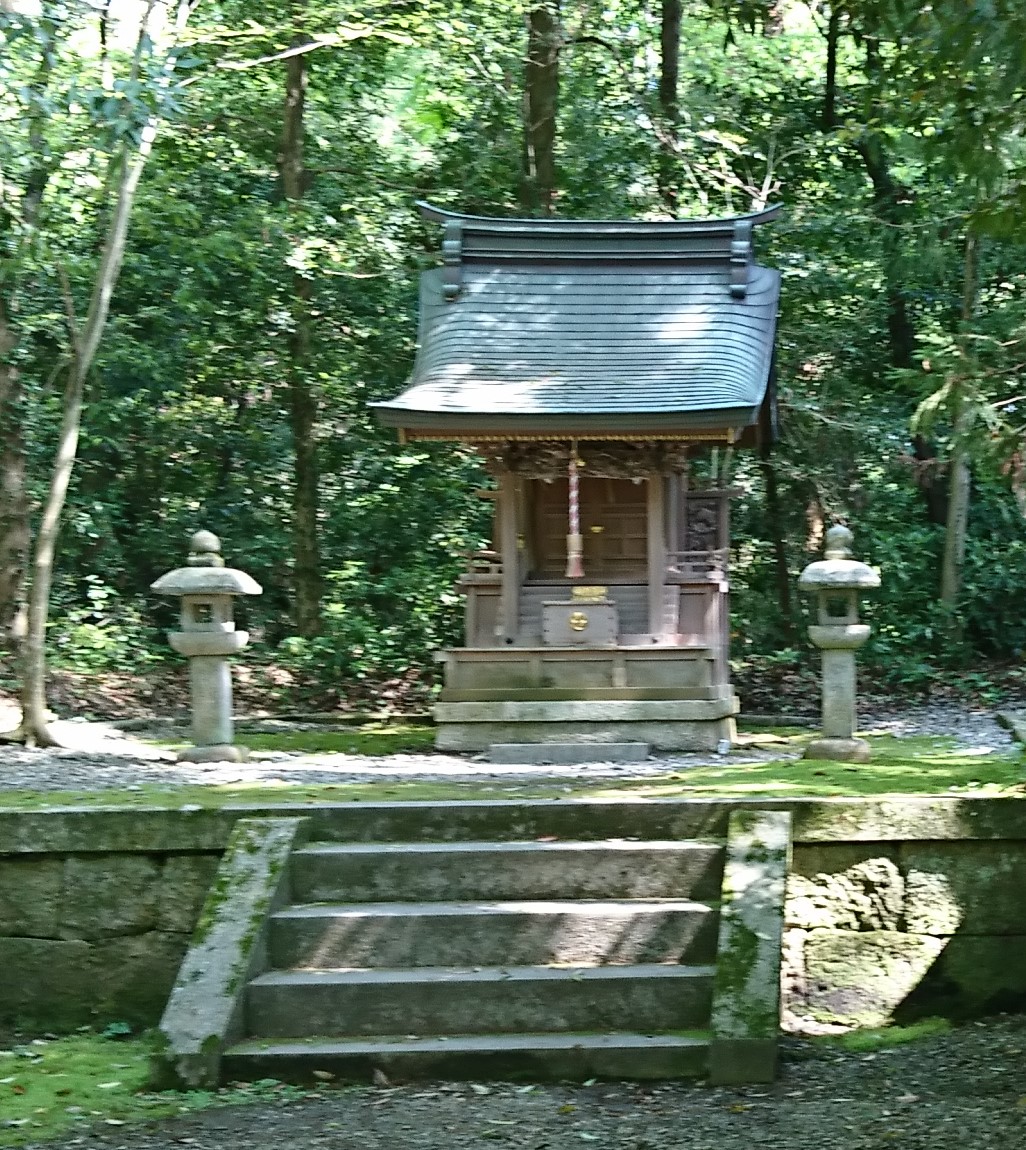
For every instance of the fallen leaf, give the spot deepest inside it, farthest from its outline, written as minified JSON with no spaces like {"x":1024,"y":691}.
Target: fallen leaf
{"x":738,"y":1108}
{"x":479,"y":1089}
{"x":323,"y":1075}
{"x":567,"y":1108}
{"x":379,"y":1078}
{"x":18,"y":1089}
{"x":908,"y":1097}
{"x":114,"y":1122}
{"x":107,"y":1085}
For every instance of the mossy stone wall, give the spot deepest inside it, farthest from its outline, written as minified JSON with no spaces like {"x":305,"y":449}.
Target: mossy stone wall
{"x":896,"y":907}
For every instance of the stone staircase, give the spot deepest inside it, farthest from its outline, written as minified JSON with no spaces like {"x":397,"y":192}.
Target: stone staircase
{"x":486,"y":940}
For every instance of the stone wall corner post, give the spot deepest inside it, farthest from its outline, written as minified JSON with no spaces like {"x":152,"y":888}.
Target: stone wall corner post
{"x":207,"y":637}
{"x":836,"y":581}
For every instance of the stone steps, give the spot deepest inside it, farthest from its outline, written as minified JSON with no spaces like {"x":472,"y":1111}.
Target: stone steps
{"x":541,"y":932}
{"x":539,"y":938}
{"x":533,"y":1057}
{"x":485,"y":1000}
{"x":624,"y":868}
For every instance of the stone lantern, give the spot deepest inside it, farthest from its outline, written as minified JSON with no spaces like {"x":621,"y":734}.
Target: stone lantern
{"x":207,"y":638}
{"x":836,"y":581}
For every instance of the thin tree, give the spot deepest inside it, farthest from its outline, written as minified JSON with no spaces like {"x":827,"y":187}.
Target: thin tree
{"x":85,"y":333}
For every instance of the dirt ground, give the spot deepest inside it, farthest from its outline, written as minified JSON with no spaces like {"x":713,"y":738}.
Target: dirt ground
{"x":964,"y":1089}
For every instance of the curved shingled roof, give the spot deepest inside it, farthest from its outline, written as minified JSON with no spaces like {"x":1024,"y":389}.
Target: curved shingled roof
{"x":547,"y":327}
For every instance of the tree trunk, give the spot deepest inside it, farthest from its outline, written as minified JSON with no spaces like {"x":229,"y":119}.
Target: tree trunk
{"x":541,"y":103}
{"x":960,"y":481}
{"x":128,"y":168}
{"x":302,"y":399}
{"x":775,"y":522}
{"x":669,"y":96}
{"x":14,"y":513}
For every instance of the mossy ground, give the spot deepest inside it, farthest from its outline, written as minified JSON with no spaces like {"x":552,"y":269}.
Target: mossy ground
{"x":52,"y":1087}
{"x":870,"y":1039}
{"x":899,"y":766}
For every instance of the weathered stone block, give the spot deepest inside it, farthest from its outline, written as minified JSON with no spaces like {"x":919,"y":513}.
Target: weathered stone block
{"x":52,"y":982}
{"x":132,"y":977}
{"x":109,"y":895}
{"x":867,"y":895}
{"x":204,"y":1010}
{"x":184,"y":883}
{"x":30,"y":894}
{"x":862,"y":978}
{"x":745,"y":1013}
{"x":972,"y":977}
{"x":970,"y":887}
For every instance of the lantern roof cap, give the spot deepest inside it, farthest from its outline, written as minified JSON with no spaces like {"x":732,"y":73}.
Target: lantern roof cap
{"x":838,"y":571}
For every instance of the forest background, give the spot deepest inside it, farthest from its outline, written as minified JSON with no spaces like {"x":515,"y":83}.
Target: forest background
{"x":209,"y":255}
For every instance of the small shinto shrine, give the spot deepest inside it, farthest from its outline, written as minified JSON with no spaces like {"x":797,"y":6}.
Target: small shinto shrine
{"x":599,"y":368}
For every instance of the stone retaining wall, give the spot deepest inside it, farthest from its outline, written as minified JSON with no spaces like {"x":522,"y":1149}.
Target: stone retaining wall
{"x":894,"y":908}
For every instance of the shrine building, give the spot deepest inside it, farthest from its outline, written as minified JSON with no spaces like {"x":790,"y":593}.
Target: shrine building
{"x":598,"y":368}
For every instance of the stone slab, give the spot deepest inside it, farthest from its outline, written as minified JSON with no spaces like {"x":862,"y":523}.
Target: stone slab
{"x":746,"y":989}
{"x":593,"y":932}
{"x":204,"y":1011}
{"x":561,"y":754}
{"x":501,"y":1057}
{"x":863,"y":978}
{"x":606,"y":711}
{"x":972,"y":976}
{"x":868,"y":894}
{"x":690,"y":735}
{"x":30,"y":896}
{"x":615,"y":867}
{"x":509,"y":999}
{"x":965,"y":887}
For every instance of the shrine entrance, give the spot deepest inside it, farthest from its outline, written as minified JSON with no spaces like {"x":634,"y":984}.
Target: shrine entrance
{"x":613,"y":526}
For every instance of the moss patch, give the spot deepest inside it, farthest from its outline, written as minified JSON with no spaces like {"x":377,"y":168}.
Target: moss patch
{"x":885,"y":1037}
{"x":51,"y":1087}
{"x":899,"y":766}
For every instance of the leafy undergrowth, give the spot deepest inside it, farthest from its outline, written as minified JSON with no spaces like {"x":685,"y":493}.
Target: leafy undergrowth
{"x":52,"y":1087}
{"x":899,"y":766}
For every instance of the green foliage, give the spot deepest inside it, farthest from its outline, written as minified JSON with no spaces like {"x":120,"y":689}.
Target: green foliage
{"x":56,"y":1087}
{"x":188,"y":420}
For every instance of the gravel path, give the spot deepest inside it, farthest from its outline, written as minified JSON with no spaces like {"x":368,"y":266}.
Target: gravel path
{"x":964,"y":1090}
{"x":98,"y":756}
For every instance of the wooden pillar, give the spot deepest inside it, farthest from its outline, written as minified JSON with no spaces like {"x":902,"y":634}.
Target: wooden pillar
{"x":656,"y":553}
{"x":508,"y":531}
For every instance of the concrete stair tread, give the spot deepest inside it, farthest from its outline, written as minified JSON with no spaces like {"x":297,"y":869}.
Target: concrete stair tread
{"x":571,"y":1055}
{"x":463,"y":975}
{"x":584,"y":907}
{"x":318,"y":1046}
{"x":627,"y":845}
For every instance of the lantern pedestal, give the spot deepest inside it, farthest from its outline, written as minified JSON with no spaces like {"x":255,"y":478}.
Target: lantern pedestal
{"x":836,"y":581}
{"x":207,"y":638}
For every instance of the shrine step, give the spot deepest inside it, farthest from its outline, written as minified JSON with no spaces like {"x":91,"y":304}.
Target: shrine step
{"x":411,"y":935}
{"x":523,"y":821}
{"x":644,"y":998}
{"x":566,"y":754}
{"x":532,"y":1057}
{"x":550,"y":868}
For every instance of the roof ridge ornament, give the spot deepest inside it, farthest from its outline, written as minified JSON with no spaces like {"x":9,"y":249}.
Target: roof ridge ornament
{"x":740,"y":258}
{"x":452,"y":259}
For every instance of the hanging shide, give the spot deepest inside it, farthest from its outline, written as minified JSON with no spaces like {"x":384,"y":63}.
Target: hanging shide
{"x":574,"y":540}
